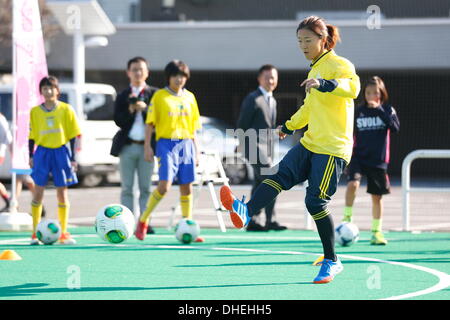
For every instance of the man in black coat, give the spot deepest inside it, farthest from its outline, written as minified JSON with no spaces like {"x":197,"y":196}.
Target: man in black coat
{"x":130,"y":111}
{"x":258,"y":119}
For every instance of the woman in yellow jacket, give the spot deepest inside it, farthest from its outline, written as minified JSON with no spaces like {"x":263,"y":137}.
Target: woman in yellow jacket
{"x":326,"y":147}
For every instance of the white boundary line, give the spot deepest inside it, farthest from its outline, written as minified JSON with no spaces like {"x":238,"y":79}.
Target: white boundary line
{"x":444,"y":278}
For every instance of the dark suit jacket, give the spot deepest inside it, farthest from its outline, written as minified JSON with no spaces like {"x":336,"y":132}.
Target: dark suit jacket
{"x":124,"y":119}
{"x":256,"y":114}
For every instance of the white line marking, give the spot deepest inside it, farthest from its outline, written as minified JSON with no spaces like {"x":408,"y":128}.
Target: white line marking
{"x":444,"y":278}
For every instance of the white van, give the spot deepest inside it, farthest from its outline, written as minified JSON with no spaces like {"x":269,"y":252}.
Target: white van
{"x":97,"y":127}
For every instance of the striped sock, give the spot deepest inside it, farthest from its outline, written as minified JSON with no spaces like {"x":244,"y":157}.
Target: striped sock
{"x":264,"y":194}
{"x":152,"y":202}
{"x":186,"y":206}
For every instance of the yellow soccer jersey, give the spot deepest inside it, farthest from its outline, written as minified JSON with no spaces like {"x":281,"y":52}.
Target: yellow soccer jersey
{"x":329,"y":115}
{"x":174,"y":117}
{"x":53,"y":129}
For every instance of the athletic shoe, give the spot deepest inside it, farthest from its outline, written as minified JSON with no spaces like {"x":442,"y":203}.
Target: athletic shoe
{"x":34,"y":240}
{"x":378,"y":239}
{"x":141,"y":230}
{"x":66,"y":238}
{"x":238,"y":209}
{"x":318,"y":261}
{"x":199,"y":239}
{"x":328,"y":271}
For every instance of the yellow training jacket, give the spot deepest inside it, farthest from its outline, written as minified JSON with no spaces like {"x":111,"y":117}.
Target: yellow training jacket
{"x":328,"y":111}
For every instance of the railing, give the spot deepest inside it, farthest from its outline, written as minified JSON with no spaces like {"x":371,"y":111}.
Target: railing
{"x":406,"y":179}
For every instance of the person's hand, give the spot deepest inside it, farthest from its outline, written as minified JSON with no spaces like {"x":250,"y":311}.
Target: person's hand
{"x":280,"y":133}
{"x":140,"y":106}
{"x":74,"y":166}
{"x":309,"y":84}
{"x":2,"y":159}
{"x":148,"y":154}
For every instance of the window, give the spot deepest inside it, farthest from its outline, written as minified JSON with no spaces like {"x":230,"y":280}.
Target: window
{"x":98,"y":106}
{"x":6,"y":105}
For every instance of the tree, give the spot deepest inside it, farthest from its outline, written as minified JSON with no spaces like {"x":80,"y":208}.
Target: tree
{"x":50,"y":27}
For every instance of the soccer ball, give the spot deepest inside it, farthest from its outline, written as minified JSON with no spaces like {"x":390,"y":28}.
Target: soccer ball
{"x":187,"y":231}
{"x":346,"y":234}
{"x":48,"y":231}
{"x":114,"y":223}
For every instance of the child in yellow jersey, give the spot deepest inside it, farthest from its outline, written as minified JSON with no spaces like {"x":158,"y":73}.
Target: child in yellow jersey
{"x":173,"y":114}
{"x":326,"y":146}
{"x":53,"y":124}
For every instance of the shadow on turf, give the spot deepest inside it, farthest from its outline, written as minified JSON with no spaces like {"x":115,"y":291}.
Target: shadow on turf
{"x":29,"y":289}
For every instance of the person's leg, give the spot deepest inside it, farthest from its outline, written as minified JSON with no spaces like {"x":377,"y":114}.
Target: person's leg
{"x":29,"y":183}
{"x":155,"y":197}
{"x":255,"y":220}
{"x":322,"y":184}
{"x":350,"y":195}
{"x":5,"y":196}
{"x":269,"y":210}
{"x":144,"y":172}
{"x":127,"y":167}
{"x":186,"y":200}
{"x":42,"y":162}
{"x":36,"y":206}
{"x":377,"y":212}
{"x":291,"y":170}
{"x":63,"y":207}
{"x":377,"y":185}
{"x":353,"y":182}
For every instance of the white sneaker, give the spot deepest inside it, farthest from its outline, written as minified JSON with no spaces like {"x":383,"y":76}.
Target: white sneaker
{"x":67,"y":239}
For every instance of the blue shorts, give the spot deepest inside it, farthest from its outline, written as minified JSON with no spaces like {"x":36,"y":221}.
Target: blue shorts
{"x":176,"y":160}
{"x":54,"y":161}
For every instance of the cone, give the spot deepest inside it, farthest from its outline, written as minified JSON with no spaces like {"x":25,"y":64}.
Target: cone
{"x":318,"y":261}
{"x":10,"y":255}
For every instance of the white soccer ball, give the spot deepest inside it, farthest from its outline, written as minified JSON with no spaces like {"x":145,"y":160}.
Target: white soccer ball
{"x":114,"y":223}
{"x":187,"y":230}
{"x":48,"y":231}
{"x":346,"y":234}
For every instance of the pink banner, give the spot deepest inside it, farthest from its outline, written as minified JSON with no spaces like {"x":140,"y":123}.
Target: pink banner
{"x":29,"y":67}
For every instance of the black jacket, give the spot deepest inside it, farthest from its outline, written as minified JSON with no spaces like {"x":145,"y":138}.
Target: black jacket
{"x":124,"y":119}
{"x":256,"y":114}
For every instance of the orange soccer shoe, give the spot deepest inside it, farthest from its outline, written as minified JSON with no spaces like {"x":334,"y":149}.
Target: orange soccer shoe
{"x":237,"y":208}
{"x":141,"y":230}
{"x":66,"y":238}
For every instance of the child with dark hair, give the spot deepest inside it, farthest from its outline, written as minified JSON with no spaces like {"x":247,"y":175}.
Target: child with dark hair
{"x":53,"y":124}
{"x":326,"y":146}
{"x":173,"y":114}
{"x":374,"y":121}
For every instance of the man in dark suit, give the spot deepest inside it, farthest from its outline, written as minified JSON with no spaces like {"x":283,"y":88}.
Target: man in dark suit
{"x":130,"y":111}
{"x":258,"y":119}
